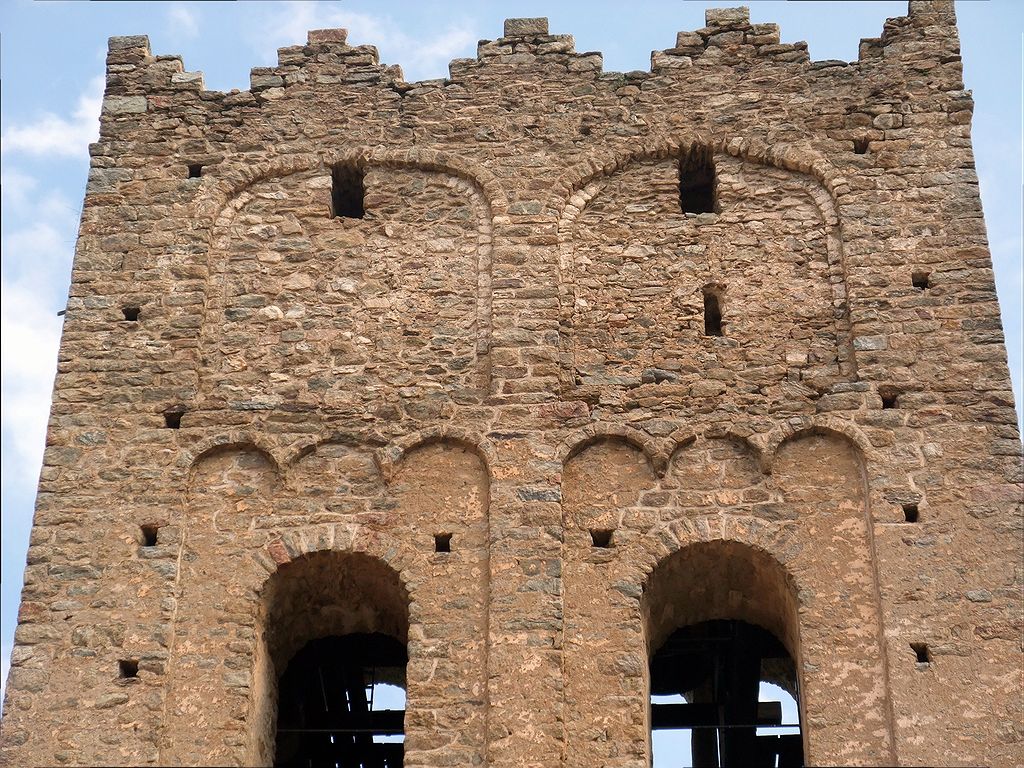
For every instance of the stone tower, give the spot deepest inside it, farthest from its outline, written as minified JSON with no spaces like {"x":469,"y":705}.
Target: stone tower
{"x":533,"y":391}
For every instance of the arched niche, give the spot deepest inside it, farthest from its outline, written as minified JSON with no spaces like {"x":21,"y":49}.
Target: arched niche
{"x":327,"y":599}
{"x":774,"y":241}
{"x":232,"y":490}
{"x":230,"y":486}
{"x":821,"y":476}
{"x":338,"y":480}
{"x":306,"y":306}
{"x":439,"y":496}
{"x":719,"y":474}
{"x":602,"y":481}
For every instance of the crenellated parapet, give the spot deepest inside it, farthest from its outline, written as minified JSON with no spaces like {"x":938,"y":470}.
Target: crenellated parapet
{"x":923,"y":43}
{"x":527,"y":42}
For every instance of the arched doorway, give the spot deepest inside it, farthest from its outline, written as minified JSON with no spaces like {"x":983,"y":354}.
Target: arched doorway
{"x":722,"y":640}
{"x":331,"y":673}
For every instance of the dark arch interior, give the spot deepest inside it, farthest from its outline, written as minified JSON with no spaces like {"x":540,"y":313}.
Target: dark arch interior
{"x":708,"y":678}
{"x":330,"y":712}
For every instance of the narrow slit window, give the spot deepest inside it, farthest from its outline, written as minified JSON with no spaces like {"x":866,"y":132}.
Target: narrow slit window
{"x":150,"y":533}
{"x":442,"y":542}
{"x":910,"y":513}
{"x":195,"y":170}
{"x":131,"y":314}
{"x":348,"y":188}
{"x":860,"y":146}
{"x":712,"y":312}
{"x":172,"y":418}
{"x":921,"y":280}
{"x":697,"y":182}
{"x":924,"y":656}
{"x":128,"y":668}
{"x":601,"y":538}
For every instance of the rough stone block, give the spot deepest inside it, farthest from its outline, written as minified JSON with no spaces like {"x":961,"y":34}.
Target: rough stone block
{"x":124,"y":105}
{"x":526,"y":27}
{"x":315,"y":36}
{"x":727,"y":17}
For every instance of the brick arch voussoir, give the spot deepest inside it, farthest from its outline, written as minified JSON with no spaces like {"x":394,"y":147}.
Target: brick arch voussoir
{"x":777,"y":542}
{"x":343,"y":538}
{"x":215,"y":209}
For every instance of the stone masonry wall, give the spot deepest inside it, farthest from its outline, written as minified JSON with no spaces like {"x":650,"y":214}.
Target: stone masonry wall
{"x":263,"y":413}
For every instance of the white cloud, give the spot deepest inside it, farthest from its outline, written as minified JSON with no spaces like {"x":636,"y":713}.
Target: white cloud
{"x":420,"y":57}
{"x":183,"y":22}
{"x":38,"y":245}
{"x":29,"y":340}
{"x":16,"y":187}
{"x":62,"y":136}
{"x":5,"y":666}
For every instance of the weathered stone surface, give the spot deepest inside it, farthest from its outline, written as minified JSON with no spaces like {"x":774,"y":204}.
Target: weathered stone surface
{"x":527,"y":369}
{"x":525,"y":27}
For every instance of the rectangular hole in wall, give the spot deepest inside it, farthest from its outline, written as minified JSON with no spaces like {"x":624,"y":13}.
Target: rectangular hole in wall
{"x":860,"y":146}
{"x":195,"y":170}
{"x":131,"y":314}
{"x":910,"y":513}
{"x":890,"y":398}
{"x":697,"y":182}
{"x":172,"y":418}
{"x":922,"y":653}
{"x":712,"y":312}
{"x":348,"y":187}
{"x":442,"y":542}
{"x":150,"y":532}
{"x":921,"y":280}
{"x":601,"y":538}
{"x":128,"y":668}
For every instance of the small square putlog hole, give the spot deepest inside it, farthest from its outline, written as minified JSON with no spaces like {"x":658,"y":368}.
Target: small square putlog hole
{"x":890,"y":398}
{"x":128,"y":668}
{"x":150,"y":534}
{"x":195,"y":170}
{"x":131,"y":314}
{"x":924,"y":656}
{"x":910,"y":513}
{"x":860,"y":146}
{"x":442,"y":542}
{"x":921,"y":280}
{"x":601,"y":538}
{"x":172,"y":417}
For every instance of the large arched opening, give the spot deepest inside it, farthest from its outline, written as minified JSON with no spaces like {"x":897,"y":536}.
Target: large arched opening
{"x":331,"y":672}
{"x":722,"y":637}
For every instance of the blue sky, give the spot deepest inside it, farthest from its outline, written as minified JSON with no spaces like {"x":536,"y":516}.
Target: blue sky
{"x":51,"y":63}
